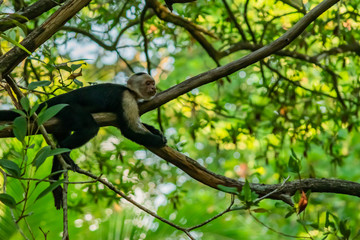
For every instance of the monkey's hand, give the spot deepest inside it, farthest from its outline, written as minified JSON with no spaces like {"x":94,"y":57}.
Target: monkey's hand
{"x":156,"y":132}
{"x":152,"y":129}
{"x":163,"y":138}
{"x":69,"y":161}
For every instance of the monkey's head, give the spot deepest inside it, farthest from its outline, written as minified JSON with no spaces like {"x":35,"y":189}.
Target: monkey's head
{"x":143,"y":85}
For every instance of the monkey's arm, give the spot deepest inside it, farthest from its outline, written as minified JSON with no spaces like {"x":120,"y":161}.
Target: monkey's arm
{"x":143,"y":137}
{"x":132,"y":128}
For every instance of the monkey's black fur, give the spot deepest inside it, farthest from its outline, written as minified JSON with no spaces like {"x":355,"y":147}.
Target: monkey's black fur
{"x":77,"y":126}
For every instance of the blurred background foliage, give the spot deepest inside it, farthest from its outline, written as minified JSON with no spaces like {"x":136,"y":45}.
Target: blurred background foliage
{"x":305,"y":97}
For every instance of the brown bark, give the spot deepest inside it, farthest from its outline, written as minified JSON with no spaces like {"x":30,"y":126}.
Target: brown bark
{"x":36,"y":38}
{"x":28,"y":13}
{"x":190,"y":166}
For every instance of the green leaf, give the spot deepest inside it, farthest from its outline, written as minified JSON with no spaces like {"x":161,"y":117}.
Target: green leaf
{"x":21,"y":113}
{"x":41,"y":156}
{"x":15,"y":43}
{"x":19,"y":24}
{"x":55,"y":173}
{"x":77,"y":82}
{"x":16,"y":15}
{"x":294,"y":154}
{"x":19,"y":128}
{"x":50,"y":112}
{"x":35,"y":85}
{"x":7,"y":200}
{"x":25,"y":103}
{"x":344,"y":229}
{"x":10,"y":167}
{"x":75,"y":66}
{"x":328,"y":222}
{"x":50,"y":188}
{"x":247,"y":191}
{"x":260,"y":210}
{"x":228,"y":189}
{"x":49,"y":177}
{"x":64,"y":67}
{"x":294,"y":163}
{"x":33,"y":109}
{"x":290,"y":212}
{"x":31,"y":146}
{"x":58,"y":151}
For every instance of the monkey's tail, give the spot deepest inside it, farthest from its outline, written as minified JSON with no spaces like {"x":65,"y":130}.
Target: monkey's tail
{"x":56,"y":167}
{"x":57,"y":192}
{"x":8,"y":115}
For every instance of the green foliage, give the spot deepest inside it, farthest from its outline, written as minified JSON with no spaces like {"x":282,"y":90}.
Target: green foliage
{"x":11,"y":167}
{"x":50,"y":188}
{"x":34,"y":85}
{"x":14,"y":42}
{"x":294,"y":163}
{"x":228,"y":189}
{"x":46,"y":152}
{"x":7,"y":200}
{"x":294,"y":113}
{"x":248,"y":196}
{"x":49,"y":113}
{"x":20,"y":128}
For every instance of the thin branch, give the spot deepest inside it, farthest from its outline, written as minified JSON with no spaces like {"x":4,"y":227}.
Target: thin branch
{"x":273,"y":230}
{"x":138,"y":205}
{"x":228,"y":209}
{"x":11,"y":210}
{"x":294,"y":4}
{"x":223,"y":71}
{"x":142,"y":29}
{"x":43,"y":131}
{"x":65,"y":207}
{"x":196,"y":31}
{"x":297,"y":84}
{"x":37,"y":37}
{"x":50,"y":180}
{"x":98,"y":41}
{"x":247,"y":21}
{"x":28,"y":13}
{"x":234,"y":20}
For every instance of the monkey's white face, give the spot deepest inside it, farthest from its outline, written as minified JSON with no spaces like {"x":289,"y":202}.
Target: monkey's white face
{"x":143,"y":85}
{"x":147,"y":87}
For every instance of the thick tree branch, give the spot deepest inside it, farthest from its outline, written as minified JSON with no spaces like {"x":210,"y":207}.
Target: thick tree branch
{"x":196,"y":31}
{"x":37,"y":37}
{"x":223,"y":71}
{"x":200,"y":173}
{"x":28,"y":13}
{"x":203,"y":175}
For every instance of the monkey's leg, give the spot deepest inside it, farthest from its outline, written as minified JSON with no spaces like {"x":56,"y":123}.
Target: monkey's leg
{"x":58,"y":192}
{"x":80,"y":135}
{"x":82,"y":125}
{"x":84,"y":128}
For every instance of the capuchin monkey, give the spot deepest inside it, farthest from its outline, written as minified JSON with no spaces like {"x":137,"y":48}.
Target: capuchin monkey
{"x":77,"y":126}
